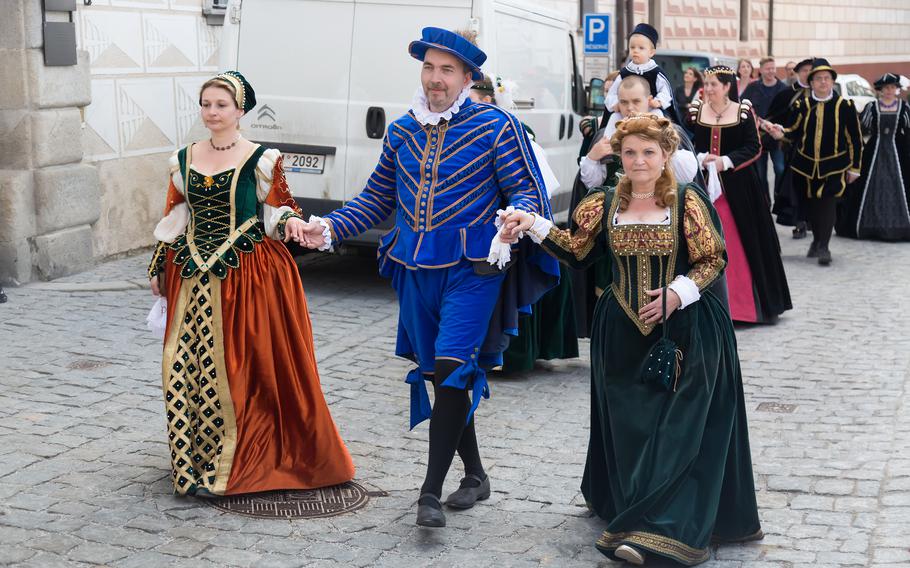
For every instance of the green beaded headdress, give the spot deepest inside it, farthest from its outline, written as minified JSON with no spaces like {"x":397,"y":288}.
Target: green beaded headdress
{"x":243,"y":92}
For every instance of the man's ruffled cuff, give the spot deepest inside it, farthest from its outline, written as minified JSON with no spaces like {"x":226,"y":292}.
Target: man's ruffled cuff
{"x":686,"y":289}
{"x":326,"y":232}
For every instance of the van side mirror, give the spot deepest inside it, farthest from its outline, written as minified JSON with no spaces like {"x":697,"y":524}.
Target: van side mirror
{"x":596,"y":95}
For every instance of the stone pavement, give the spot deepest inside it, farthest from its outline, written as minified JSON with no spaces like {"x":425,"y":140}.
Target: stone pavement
{"x":84,"y":468}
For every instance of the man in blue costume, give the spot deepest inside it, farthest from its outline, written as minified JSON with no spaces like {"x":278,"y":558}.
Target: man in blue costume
{"x":447,"y":167}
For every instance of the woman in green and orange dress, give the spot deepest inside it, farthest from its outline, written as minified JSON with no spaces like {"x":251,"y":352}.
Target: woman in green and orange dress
{"x":245,"y":411}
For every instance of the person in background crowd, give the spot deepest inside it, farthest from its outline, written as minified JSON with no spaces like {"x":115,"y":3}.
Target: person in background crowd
{"x":692,"y":83}
{"x":745,"y":73}
{"x":761,"y":94}
{"x":668,"y":466}
{"x":609,"y":79}
{"x":825,"y":129}
{"x":789,"y":204}
{"x":875,"y":205}
{"x":726,"y":136}
{"x":3,"y":297}
{"x":791,"y":73}
{"x":548,"y":332}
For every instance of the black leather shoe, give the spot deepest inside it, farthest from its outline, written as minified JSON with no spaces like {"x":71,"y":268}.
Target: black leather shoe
{"x":813,"y":250}
{"x":799,"y":232}
{"x":471,"y":490}
{"x":824,"y":257}
{"x":429,"y":511}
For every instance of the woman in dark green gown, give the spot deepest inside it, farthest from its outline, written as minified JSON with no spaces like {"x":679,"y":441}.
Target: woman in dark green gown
{"x":669,"y":471}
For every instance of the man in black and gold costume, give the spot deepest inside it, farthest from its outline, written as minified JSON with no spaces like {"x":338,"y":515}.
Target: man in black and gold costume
{"x":828,"y":145}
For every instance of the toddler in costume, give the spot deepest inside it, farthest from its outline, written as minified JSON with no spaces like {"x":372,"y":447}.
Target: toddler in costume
{"x":642,"y":47}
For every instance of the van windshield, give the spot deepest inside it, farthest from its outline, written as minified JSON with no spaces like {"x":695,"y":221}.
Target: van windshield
{"x":675,"y":65}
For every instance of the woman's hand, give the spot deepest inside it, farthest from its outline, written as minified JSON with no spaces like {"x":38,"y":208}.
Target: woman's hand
{"x":294,"y":230}
{"x":775,"y":130}
{"x":652,"y":312}
{"x":157,"y":284}
{"x":515,"y":222}
{"x":718,"y":162}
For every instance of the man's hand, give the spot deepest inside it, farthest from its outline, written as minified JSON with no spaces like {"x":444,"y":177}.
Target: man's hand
{"x":311,"y":235}
{"x":600,"y":149}
{"x":775,"y":130}
{"x":654,"y":103}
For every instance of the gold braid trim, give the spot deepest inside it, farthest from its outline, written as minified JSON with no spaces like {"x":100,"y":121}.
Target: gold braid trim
{"x":158,"y":258}
{"x":589,"y":217}
{"x":706,"y":246}
{"x":657,"y":543}
{"x":283,"y":222}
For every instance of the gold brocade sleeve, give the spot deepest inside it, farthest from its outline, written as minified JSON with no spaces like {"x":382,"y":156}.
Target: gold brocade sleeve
{"x":704,"y":242}
{"x":158,"y":258}
{"x":585,"y":245}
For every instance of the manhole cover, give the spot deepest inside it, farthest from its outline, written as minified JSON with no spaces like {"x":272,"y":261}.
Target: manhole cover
{"x":86,"y":365}
{"x":778,"y":407}
{"x":297,"y":504}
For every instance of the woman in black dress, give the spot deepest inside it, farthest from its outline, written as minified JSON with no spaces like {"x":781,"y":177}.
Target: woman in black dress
{"x":685,"y":93}
{"x":726,"y":135}
{"x":875,"y":205}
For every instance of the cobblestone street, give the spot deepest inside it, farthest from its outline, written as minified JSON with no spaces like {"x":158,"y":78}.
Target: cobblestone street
{"x":84,"y":477}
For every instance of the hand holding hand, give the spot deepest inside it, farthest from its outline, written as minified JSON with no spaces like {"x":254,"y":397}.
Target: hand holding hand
{"x":293,"y":229}
{"x":653,"y":311}
{"x":311,"y":235}
{"x":515,"y":222}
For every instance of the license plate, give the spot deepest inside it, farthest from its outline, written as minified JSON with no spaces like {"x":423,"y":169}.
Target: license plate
{"x":304,"y":163}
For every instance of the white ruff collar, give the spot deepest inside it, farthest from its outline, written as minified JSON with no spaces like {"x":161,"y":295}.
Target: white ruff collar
{"x":641,"y":69}
{"x":824,"y":100}
{"x":421,"y":109}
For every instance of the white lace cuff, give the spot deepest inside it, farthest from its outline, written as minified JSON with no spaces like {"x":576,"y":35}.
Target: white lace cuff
{"x":728,"y":163}
{"x":326,"y":233}
{"x":686,"y":289}
{"x":540,"y":229}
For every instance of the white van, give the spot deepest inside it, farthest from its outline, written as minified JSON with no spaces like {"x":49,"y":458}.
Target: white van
{"x":331,"y":75}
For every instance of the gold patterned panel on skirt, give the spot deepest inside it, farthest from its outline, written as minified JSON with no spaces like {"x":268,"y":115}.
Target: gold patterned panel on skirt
{"x":200,"y":414}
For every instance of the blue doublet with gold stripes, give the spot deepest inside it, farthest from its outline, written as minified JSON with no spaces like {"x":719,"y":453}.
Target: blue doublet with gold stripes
{"x":445,"y":183}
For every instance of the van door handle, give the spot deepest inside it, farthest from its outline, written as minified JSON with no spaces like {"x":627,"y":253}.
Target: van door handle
{"x":562,"y":126}
{"x":375,"y":122}
{"x":571,"y":127}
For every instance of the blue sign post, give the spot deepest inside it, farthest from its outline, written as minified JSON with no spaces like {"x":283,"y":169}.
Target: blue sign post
{"x":597,"y":34}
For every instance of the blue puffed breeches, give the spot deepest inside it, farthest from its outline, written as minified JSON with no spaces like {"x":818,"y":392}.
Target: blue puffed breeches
{"x":444,"y":313}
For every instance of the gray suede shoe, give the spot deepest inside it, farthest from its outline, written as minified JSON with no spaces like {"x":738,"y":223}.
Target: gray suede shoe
{"x":471,"y":490}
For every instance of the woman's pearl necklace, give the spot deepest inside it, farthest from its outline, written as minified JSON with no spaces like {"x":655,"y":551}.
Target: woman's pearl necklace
{"x":648,"y":195}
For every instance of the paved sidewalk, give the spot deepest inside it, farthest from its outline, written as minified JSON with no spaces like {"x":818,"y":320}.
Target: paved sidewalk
{"x":84,"y":462}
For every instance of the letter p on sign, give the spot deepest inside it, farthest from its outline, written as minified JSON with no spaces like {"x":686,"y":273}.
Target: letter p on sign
{"x":597,"y":34}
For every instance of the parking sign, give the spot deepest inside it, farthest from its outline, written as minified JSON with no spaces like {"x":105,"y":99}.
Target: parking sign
{"x":597,"y":34}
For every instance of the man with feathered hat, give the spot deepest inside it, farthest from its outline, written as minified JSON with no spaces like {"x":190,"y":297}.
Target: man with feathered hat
{"x":446,"y":168}
{"x":824,"y":128}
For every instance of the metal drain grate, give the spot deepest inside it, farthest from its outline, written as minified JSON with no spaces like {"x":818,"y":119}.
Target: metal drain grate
{"x":298,"y":504}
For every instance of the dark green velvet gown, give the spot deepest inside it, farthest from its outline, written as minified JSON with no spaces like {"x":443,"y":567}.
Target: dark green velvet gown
{"x":668,"y":471}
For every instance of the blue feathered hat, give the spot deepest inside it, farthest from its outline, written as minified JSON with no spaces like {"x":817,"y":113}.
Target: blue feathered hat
{"x":450,"y":42}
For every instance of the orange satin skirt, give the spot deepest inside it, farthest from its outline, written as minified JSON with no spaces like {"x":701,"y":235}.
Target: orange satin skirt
{"x":254,"y":417}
